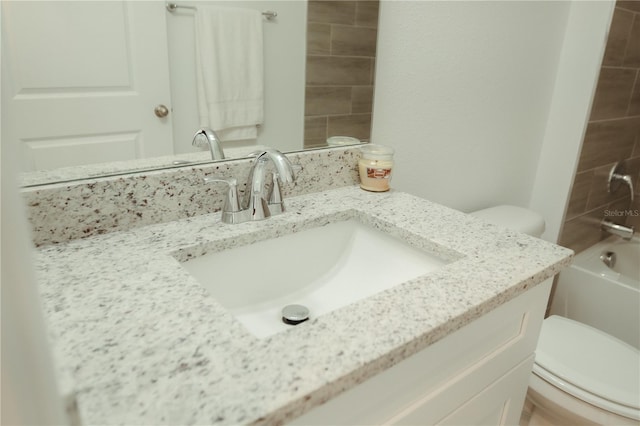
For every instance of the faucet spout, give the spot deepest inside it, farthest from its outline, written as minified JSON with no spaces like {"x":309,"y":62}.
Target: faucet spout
{"x":625,"y":232}
{"x":257,"y":176}
{"x":209,"y":138}
{"x":255,"y":205}
{"x":283,"y":166}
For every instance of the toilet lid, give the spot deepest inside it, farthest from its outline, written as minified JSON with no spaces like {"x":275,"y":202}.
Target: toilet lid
{"x":513,"y":217}
{"x":590,"y":364}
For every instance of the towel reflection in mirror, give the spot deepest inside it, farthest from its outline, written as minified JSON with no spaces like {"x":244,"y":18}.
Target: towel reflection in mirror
{"x":230,"y":71}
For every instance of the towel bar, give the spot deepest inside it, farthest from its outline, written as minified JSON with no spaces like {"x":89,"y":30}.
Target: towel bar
{"x":269,"y":14}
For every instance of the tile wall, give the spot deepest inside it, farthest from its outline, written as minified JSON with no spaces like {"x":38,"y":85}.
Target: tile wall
{"x":613,"y":134}
{"x":341,"y":50}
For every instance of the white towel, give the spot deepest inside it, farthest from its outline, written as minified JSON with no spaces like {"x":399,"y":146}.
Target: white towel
{"x":229,"y":67}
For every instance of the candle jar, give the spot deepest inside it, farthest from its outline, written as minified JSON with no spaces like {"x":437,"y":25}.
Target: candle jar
{"x":375,"y":167}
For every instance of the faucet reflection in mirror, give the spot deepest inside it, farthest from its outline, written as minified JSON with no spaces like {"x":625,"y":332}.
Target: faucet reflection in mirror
{"x":256,"y":205}
{"x":206,"y":137}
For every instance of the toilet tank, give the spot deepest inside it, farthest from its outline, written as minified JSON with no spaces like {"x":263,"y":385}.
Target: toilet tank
{"x":513,"y":217}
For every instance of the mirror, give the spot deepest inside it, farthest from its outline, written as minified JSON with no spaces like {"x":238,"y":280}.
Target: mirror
{"x":101,"y":109}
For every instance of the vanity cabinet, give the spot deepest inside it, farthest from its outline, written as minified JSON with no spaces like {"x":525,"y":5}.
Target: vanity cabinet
{"x":477,"y":375}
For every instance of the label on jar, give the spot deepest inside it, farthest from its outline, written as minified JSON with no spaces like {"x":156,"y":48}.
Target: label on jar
{"x":377,"y":173}
{"x":374,"y":174}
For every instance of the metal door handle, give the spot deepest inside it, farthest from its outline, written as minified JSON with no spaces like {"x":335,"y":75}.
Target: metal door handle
{"x":161,"y":111}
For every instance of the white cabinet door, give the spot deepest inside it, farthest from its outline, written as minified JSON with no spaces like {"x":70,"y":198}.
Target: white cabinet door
{"x":477,"y":375}
{"x":500,"y":403}
{"x":81,"y":80}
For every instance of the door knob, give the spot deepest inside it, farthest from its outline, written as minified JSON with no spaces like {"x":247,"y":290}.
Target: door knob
{"x":161,"y":111}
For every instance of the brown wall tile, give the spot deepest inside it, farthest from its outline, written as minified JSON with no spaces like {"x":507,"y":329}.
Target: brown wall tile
{"x":618,"y":37}
{"x":599,"y":194}
{"x":341,"y":48}
{"x":357,"y":126}
{"x":633,"y":218}
{"x":619,"y":211}
{"x":613,"y":93}
{"x":367,"y":13}
{"x":632,"y":55}
{"x":583,"y":231}
{"x":315,"y":131}
{"x":579,"y":194}
{"x":613,"y":134}
{"x":332,"y":11}
{"x":322,"y":100}
{"x":608,"y":141}
{"x":362,"y":99}
{"x":318,"y":39}
{"x":634,"y":103}
{"x":633,"y":5}
{"x":632,"y":167}
{"x":353,"y":41}
{"x":339,"y":71}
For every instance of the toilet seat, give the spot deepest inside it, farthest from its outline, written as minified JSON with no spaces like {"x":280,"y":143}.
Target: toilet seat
{"x":590,"y":365}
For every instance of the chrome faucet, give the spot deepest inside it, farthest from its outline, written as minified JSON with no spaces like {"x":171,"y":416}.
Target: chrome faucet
{"x":254,"y":197}
{"x":617,"y":176}
{"x":209,"y":138}
{"x":257,"y":204}
{"x":626,"y":232}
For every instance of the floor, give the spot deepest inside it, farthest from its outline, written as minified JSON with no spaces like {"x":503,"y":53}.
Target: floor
{"x":526,"y":413}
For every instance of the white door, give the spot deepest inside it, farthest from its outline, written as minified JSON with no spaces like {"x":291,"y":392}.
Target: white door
{"x":81,"y":80}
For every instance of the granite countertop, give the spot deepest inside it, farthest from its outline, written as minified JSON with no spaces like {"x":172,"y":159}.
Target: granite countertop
{"x":139,"y":341}
{"x":114,"y":168}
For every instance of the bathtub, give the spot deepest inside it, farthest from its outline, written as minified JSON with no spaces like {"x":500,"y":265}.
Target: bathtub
{"x":604,"y":297}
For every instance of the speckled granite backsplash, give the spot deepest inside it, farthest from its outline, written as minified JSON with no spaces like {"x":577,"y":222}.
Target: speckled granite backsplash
{"x":63,"y":212}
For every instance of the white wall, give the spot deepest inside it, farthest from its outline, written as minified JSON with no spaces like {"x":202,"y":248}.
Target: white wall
{"x":29,"y":391}
{"x":575,"y":86}
{"x":463,"y":91}
{"x":284,"y":68}
{"x":28,"y":386}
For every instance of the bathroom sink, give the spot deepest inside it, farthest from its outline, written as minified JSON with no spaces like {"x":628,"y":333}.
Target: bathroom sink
{"x":323,"y":269}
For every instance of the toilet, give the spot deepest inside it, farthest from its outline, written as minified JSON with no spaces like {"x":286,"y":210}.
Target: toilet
{"x":581,"y":375}
{"x":513,"y":217}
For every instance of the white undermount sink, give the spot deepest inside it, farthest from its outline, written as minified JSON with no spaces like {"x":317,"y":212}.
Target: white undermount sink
{"x":323,"y":268}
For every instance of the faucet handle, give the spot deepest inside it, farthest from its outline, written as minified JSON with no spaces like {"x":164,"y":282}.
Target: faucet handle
{"x":616,"y":176}
{"x":276,"y":204}
{"x":231,"y":203}
{"x":626,"y":179}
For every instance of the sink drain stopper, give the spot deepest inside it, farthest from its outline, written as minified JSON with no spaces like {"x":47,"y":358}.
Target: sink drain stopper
{"x":294,"y":314}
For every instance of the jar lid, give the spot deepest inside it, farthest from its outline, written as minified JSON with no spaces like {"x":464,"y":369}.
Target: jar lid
{"x":376,"y":152}
{"x":342,"y":140}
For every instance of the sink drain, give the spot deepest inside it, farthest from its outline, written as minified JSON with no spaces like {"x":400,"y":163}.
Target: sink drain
{"x":294,"y":314}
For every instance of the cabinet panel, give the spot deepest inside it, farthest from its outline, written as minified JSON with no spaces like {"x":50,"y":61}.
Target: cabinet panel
{"x":485,"y":349}
{"x":500,"y":403}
